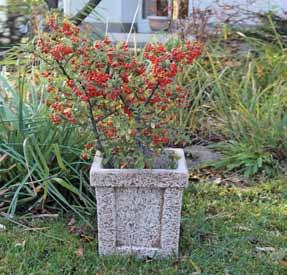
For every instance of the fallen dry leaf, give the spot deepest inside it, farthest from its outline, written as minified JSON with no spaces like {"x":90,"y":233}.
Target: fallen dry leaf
{"x":87,"y":238}
{"x":80,"y":252}
{"x":72,"y":222}
{"x":283,"y":262}
{"x":21,"y":244}
{"x":244,"y":228}
{"x":3,"y":157}
{"x":2,"y":192}
{"x":217,"y":181}
{"x":76,"y":230}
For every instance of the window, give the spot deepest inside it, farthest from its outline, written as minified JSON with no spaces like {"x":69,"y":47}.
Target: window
{"x":155,"y":7}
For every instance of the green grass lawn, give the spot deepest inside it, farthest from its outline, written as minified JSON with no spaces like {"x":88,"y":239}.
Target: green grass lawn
{"x":225,"y":230}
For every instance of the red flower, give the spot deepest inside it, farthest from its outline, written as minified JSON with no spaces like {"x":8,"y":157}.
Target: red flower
{"x":156,"y":139}
{"x":128,"y":112}
{"x":155,"y":99}
{"x":164,"y":140}
{"x":126,"y":89}
{"x":125,"y":77}
{"x":89,"y":145}
{"x":70,"y":83}
{"x":60,"y":51}
{"x":56,"y":119}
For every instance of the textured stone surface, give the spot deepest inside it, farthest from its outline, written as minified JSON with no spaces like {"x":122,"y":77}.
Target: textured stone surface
{"x":139,"y":210}
{"x":138,"y":216}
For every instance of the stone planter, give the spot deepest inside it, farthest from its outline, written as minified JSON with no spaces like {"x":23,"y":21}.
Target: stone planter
{"x":159,"y":23}
{"x":139,"y":210}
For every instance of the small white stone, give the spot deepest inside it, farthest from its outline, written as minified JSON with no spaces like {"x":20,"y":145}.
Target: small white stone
{"x":265,"y":249}
{"x":2,"y":227}
{"x":5,"y":41}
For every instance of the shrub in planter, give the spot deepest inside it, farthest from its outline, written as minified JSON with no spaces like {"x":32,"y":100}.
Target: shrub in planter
{"x":128,"y":98}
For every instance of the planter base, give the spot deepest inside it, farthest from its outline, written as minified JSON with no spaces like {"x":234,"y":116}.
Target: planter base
{"x":138,"y":211}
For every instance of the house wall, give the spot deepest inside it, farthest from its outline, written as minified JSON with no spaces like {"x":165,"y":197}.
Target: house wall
{"x":129,"y":10}
{"x":251,"y":5}
{"x":107,"y":10}
{"x":119,"y":14}
{"x":113,"y":15}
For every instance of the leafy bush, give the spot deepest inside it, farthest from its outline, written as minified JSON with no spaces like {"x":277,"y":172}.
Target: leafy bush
{"x":126,"y":98}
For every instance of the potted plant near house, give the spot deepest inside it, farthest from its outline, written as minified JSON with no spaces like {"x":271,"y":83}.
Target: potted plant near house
{"x":127,"y":99}
{"x":161,"y":20}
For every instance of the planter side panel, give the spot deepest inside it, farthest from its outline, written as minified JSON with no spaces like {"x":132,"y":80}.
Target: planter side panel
{"x":139,"y":221}
{"x":106,"y":216}
{"x":171,"y":221}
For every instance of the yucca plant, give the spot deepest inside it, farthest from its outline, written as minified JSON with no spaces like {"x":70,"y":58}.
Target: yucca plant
{"x":40,"y":164}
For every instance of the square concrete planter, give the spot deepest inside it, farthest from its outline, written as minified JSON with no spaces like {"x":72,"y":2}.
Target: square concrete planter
{"x":138,"y":210}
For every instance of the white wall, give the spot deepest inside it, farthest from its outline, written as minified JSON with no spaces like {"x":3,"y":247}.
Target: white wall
{"x":122,"y":11}
{"x":129,"y":9}
{"x":107,"y":10}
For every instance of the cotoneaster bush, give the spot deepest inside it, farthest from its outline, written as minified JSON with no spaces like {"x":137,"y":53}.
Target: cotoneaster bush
{"x":128,"y":98}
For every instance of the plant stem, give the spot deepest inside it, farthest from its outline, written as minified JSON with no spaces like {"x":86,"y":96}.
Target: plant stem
{"x":92,"y":118}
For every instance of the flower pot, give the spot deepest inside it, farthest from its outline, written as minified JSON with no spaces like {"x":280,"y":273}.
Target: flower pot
{"x":138,"y":210}
{"x":159,"y":23}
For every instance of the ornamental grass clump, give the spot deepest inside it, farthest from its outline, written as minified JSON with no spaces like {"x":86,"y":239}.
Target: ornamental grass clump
{"x":126,"y":97}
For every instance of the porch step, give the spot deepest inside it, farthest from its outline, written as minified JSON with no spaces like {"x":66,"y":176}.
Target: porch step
{"x":140,"y":39}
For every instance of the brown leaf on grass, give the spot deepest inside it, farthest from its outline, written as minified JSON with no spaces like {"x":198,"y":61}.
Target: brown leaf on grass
{"x":80,"y":252}
{"x":217,"y":181}
{"x":217,"y":176}
{"x":77,"y":230}
{"x":244,"y":228}
{"x":72,"y":228}
{"x":193,"y":177}
{"x":3,"y":157}
{"x":284,"y":262}
{"x":72,"y":222}
{"x":2,"y":192}
{"x":232,"y":64}
{"x":87,"y":238}
{"x":21,"y":244}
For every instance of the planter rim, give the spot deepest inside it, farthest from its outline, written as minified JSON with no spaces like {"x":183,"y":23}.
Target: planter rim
{"x":181,"y":168}
{"x":155,"y":17}
{"x":154,"y":178}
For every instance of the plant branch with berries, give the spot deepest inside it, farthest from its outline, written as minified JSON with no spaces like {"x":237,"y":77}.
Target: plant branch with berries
{"x":129,"y":98}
